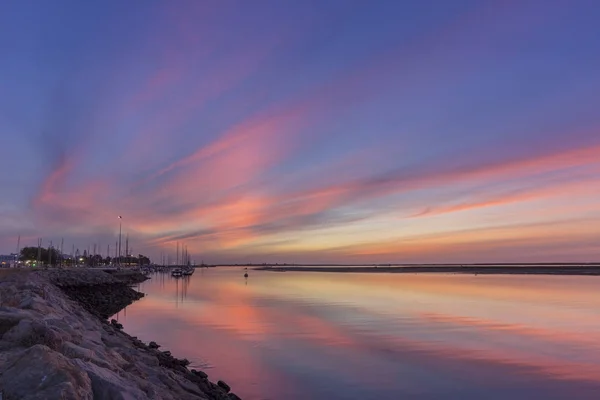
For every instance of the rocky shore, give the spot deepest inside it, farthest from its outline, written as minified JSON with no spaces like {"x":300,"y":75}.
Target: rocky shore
{"x":55,"y":342}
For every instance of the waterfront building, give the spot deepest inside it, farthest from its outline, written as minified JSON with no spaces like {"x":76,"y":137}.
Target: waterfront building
{"x":8,"y":260}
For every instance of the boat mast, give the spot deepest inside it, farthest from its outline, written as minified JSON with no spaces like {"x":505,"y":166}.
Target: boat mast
{"x":18,"y":250}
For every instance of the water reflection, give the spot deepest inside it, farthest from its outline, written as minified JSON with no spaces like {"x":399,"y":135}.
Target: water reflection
{"x":357,"y":336}
{"x":181,"y":288}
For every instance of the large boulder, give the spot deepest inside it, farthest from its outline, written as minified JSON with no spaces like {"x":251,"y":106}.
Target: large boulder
{"x":9,"y":320}
{"x":36,"y":303}
{"x":71,"y":350}
{"x":51,"y":376}
{"x":107,"y":385}
{"x":29,"y":333}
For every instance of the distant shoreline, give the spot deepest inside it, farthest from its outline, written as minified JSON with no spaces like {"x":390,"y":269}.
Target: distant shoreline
{"x":473,"y":269}
{"x":496,"y":264}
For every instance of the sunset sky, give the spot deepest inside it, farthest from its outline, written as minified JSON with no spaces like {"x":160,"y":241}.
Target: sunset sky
{"x":303,"y":131}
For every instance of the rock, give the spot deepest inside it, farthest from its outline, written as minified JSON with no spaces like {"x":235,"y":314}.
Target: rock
{"x":201,"y":374}
{"x":233,"y":396}
{"x":167,"y":360}
{"x":29,"y":333}
{"x":71,"y":350}
{"x":190,"y":387}
{"x":103,"y":300}
{"x":153,"y":345}
{"x":224,"y":386}
{"x":147,"y":359}
{"x":34,"y":303}
{"x":50,"y":376}
{"x":138,"y":343}
{"x":106,"y":385}
{"x":8,"y":321}
{"x":59,"y":324}
{"x":184,"y":362}
{"x":116,"y":324}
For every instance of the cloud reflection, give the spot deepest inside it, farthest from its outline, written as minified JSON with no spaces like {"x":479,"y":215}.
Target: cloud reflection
{"x":419,"y":335}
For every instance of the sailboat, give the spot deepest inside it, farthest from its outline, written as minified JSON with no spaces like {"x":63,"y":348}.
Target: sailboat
{"x":176,"y":273}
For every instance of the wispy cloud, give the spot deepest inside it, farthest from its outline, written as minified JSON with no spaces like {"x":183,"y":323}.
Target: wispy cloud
{"x":249,"y":133}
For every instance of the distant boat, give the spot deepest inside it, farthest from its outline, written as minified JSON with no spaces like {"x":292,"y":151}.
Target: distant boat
{"x":245,"y":275}
{"x":176,"y":273}
{"x":188,"y":271}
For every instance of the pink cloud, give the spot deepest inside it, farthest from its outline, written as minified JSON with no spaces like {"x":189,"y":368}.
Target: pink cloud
{"x":578,"y":187}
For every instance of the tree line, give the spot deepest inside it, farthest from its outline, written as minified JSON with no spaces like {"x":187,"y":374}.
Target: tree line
{"x":51,"y":256}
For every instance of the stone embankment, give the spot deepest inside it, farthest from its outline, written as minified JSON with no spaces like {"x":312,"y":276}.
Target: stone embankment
{"x":55,"y":342}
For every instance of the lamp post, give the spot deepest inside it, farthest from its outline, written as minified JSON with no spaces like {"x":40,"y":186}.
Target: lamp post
{"x":120,"y":221}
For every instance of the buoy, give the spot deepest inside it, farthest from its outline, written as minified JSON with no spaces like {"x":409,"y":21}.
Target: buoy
{"x":245,"y":275}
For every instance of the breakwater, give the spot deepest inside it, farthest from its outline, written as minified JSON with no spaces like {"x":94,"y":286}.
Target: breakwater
{"x":55,"y":342}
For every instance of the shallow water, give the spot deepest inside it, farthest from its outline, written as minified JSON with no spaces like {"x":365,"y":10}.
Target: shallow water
{"x":303,"y":335}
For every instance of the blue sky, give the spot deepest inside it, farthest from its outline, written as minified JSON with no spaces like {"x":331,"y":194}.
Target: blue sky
{"x":304,"y":131}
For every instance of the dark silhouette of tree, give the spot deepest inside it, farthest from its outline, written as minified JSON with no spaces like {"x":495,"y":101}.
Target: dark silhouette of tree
{"x":31,"y":254}
{"x":28,"y":253}
{"x":96,"y":260}
{"x":46,"y":255}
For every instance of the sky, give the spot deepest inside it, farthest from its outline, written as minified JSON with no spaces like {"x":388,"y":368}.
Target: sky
{"x":303,"y":131}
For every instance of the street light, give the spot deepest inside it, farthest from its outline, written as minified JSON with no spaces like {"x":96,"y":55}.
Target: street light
{"x":120,"y":220}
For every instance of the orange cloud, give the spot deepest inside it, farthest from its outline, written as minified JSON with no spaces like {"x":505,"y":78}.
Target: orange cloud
{"x":505,"y":243}
{"x":573,"y":188}
{"x":241,"y":213}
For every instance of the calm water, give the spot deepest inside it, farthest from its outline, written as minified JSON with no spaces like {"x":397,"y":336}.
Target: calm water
{"x":379,"y":336}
